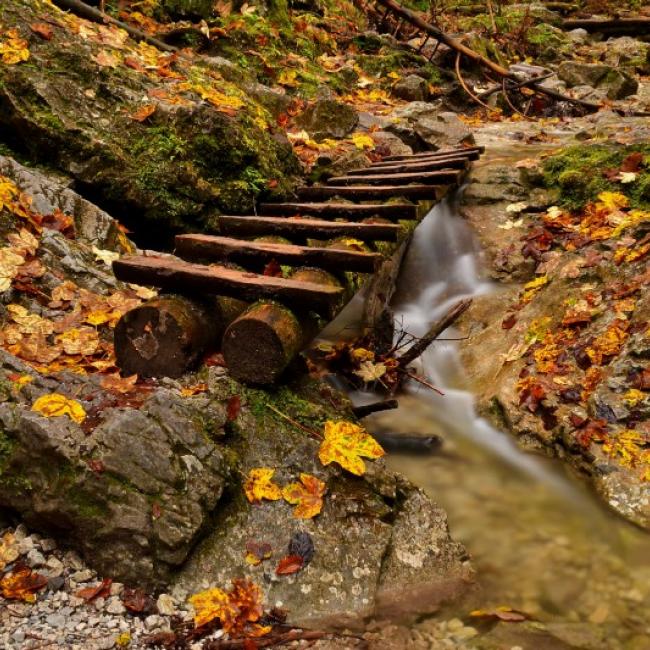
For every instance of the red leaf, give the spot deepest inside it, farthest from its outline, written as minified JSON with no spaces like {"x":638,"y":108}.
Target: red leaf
{"x":43,"y":30}
{"x":272,"y":184}
{"x":156,"y":511}
{"x":289,"y":564}
{"x":233,"y":408}
{"x":273,"y":269}
{"x":632,"y":162}
{"x":508,"y":322}
{"x":215,"y":359}
{"x":96,"y":465}
{"x":103,"y":589}
{"x":137,"y":602}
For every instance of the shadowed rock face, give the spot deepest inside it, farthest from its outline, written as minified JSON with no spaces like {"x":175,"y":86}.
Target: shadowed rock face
{"x":149,"y":488}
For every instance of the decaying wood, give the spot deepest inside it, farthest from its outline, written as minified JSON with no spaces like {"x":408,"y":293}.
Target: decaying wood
{"x":424,"y":166}
{"x":350,"y":211}
{"x":176,"y":275}
{"x":372,"y":192}
{"x":302,"y":228}
{"x":445,"y":321}
{"x":169,"y":335}
{"x":367,"y":409}
{"x":639,"y":25}
{"x":195,"y":248}
{"x":440,"y":177}
{"x":261,"y":342}
{"x":472,"y":153}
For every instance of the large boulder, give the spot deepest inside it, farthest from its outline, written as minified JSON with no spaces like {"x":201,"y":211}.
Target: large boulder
{"x":328,"y":118}
{"x":171,"y":153}
{"x":617,"y":83}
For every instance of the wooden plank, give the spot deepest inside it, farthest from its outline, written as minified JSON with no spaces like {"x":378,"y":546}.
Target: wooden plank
{"x":316,"y":228}
{"x":440,"y":177}
{"x":175,"y":275}
{"x":638,"y":25}
{"x":371,"y":192}
{"x":471,"y":152}
{"x":350,"y":211}
{"x":405,"y":168}
{"x":226,"y":249}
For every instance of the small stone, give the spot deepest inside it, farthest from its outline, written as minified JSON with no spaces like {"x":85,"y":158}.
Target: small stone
{"x":166,"y":604}
{"x":55,"y":620}
{"x":99,"y":603}
{"x":25,"y":545}
{"x":54,"y":565}
{"x":455,"y":624}
{"x":115,"y":606}
{"x":18,"y":636}
{"x":48,"y":545}
{"x":55,"y":583}
{"x":116,"y":588}
{"x":152,"y":622}
{"x":82,"y":576}
{"x":21,"y":532}
{"x":35,"y":558}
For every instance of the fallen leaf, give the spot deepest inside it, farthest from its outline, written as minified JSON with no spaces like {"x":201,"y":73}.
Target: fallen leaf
{"x":145,"y":111}
{"x":307,"y":496}
{"x":8,"y":550}
{"x":43,"y":30}
{"x":108,"y":257}
{"x":118,"y":384}
{"x":258,"y":485}
{"x":233,"y":408}
{"x":102,"y":590}
{"x":362,"y":141}
{"x":256,"y":552}
{"x":13,"y":48}
{"x":345,"y":443}
{"x":55,"y":405}
{"x":137,"y":601}
{"x":302,"y":544}
{"x":10,"y":262}
{"x":288,"y":565}
{"x":502,"y":613}
{"x":105,"y":59}
{"x":369,"y":371}
{"x":82,"y":340}
{"x":21,"y":584}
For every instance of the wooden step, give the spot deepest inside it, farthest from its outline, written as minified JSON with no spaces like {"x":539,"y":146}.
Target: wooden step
{"x":414,"y":192}
{"x":350,"y":211}
{"x":441,"y":177}
{"x":226,"y":249}
{"x":471,"y":152}
{"x":175,"y":275}
{"x":307,"y":228}
{"x":421,"y":164}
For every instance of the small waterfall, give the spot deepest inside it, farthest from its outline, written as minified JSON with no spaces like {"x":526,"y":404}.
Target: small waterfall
{"x":442,"y":266}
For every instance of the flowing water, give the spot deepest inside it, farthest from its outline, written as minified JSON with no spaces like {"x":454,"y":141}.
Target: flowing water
{"x":539,"y":540}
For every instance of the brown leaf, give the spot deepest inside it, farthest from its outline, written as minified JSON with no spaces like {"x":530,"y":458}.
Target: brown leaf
{"x":508,"y":322}
{"x":289,"y":565}
{"x":96,"y":465}
{"x":273,"y":269}
{"x":215,"y":359}
{"x":143,"y":112}
{"x":156,"y":512}
{"x":43,"y":30}
{"x":21,"y":583}
{"x":233,"y":408}
{"x":103,"y":590}
{"x":632,"y":162}
{"x":138,"y":602}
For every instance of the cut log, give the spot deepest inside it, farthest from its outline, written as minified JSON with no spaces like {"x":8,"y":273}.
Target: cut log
{"x":406,"y":167}
{"x":371,"y":192}
{"x":169,"y":335}
{"x":314,"y":228}
{"x":441,"y":177}
{"x":472,"y":153}
{"x":176,"y":275}
{"x":261,"y":342}
{"x":639,"y":25}
{"x":225,"y":249}
{"x":350,"y":211}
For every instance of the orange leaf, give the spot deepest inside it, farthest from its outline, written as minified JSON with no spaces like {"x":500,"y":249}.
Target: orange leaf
{"x":103,"y":589}
{"x":117,"y":384}
{"x":21,"y":583}
{"x":307,"y":496}
{"x":145,"y":111}
{"x":43,"y":30}
{"x":289,"y":565}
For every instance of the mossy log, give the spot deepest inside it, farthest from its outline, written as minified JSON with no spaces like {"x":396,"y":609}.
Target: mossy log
{"x":169,"y":335}
{"x":259,"y":344}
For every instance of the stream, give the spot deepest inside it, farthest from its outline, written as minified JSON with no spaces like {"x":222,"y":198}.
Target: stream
{"x":539,"y":540}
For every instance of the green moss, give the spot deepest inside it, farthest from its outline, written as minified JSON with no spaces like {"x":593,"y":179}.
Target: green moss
{"x":578,"y":174}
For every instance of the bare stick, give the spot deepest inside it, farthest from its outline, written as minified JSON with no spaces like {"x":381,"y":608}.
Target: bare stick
{"x":375,"y":407}
{"x":302,"y":427}
{"x":434,"y":331}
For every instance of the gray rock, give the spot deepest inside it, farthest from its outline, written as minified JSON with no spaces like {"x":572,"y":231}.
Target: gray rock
{"x":629,"y":52}
{"x":328,"y":118}
{"x":55,"y":620}
{"x":578,"y":36}
{"x":617,"y":83}
{"x":412,"y":88}
{"x":445,"y":130}
{"x":35,"y":558}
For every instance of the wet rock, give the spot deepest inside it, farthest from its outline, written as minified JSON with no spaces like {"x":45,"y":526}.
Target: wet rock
{"x":328,"y":118}
{"x":388,"y":144}
{"x":616,"y":83}
{"x":627,"y":52}
{"x":412,"y":88}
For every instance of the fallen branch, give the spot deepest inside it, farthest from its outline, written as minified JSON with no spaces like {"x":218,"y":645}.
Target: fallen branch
{"x":435,"y":330}
{"x":375,"y":407}
{"x":522,"y":84}
{"x":90,"y":13}
{"x":422,"y":381}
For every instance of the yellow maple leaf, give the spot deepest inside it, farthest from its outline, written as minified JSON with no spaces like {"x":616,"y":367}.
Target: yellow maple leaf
{"x":613,"y":200}
{"x":81,"y":340}
{"x":13,"y":49}
{"x":361,"y":354}
{"x":55,"y":405}
{"x":345,"y":443}
{"x":210,"y":604}
{"x":258,"y":485}
{"x":307,"y":496}
{"x":287,"y":77}
{"x":532,"y":287}
{"x":362,"y":141}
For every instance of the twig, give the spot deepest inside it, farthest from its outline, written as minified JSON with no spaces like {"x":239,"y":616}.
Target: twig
{"x":375,"y":407}
{"x":464,"y":85}
{"x":424,"y":382}
{"x":90,"y":13}
{"x":434,"y":331}
{"x":311,"y":432}
{"x":522,"y":84}
{"x":512,"y":106}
